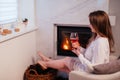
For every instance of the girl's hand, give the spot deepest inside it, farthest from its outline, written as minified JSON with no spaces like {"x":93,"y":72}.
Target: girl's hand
{"x":75,"y":45}
{"x":76,"y":48}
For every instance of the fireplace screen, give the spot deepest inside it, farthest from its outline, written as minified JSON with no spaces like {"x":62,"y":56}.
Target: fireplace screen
{"x":63,"y":38}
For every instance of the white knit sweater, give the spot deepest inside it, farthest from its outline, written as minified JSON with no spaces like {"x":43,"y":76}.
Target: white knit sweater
{"x":96,"y":53}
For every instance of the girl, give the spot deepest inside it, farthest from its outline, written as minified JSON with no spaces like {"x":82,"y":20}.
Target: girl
{"x":97,"y":52}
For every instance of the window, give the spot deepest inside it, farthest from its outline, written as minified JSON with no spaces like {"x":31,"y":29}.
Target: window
{"x":8,"y":11}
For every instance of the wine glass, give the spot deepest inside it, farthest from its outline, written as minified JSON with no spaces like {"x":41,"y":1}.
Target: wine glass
{"x":74,"y":40}
{"x":74,"y":37}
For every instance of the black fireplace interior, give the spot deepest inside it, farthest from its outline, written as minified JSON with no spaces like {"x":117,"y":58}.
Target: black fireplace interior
{"x":84,"y":34}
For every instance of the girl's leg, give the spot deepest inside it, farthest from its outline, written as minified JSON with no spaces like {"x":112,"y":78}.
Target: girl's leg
{"x":56,"y":64}
{"x":43,"y":57}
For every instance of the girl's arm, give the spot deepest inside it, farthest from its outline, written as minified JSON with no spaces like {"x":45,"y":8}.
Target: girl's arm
{"x":79,"y":51}
{"x":99,"y":54}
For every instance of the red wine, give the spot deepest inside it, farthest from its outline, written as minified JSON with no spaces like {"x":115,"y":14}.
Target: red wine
{"x":74,"y":40}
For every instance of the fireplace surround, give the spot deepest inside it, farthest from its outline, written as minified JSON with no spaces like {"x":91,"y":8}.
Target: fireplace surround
{"x":62,"y":33}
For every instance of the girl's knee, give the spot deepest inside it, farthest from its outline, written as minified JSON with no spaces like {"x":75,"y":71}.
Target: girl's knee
{"x":67,"y":58}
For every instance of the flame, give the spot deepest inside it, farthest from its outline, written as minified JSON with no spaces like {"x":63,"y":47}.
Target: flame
{"x":65,"y":47}
{"x":66,"y":44}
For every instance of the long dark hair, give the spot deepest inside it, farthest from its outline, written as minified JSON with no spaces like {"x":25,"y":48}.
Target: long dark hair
{"x":101,"y":23}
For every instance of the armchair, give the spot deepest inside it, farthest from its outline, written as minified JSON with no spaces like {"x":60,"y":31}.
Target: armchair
{"x":113,"y":67}
{"x":77,"y":75}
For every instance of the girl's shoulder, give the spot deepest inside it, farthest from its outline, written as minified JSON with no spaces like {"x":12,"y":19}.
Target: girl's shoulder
{"x":102,"y":40}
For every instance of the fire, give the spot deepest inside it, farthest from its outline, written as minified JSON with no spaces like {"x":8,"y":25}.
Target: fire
{"x":66,"y":44}
{"x":65,"y":47}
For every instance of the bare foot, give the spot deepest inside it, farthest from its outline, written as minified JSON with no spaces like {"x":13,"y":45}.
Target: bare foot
{"x":43,"y":57}
{"x":43,"y":64}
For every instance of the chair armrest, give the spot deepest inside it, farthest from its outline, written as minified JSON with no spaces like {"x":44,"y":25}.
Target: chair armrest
{"x":77,"y":75}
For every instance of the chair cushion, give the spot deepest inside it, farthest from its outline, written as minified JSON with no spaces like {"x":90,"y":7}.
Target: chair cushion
{"x":107,"y":68}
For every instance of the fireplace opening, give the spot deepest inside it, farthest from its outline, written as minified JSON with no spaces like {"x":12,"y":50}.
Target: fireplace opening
{"x":63,"y":38}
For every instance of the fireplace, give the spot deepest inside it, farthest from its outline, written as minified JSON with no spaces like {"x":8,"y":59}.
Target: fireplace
{"x":63,"y":32}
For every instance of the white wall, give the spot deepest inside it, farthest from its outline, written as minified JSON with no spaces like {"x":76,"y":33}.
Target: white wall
{"x":15,"y":55}
{"x":114,"y":10}
{"x":26,"y":9}
{"x":50,"y":12}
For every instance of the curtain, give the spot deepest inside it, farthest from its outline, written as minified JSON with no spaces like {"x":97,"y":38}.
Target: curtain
{"x":8,"y":11}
